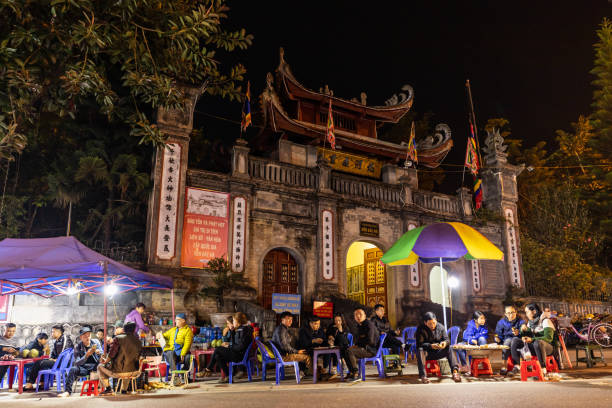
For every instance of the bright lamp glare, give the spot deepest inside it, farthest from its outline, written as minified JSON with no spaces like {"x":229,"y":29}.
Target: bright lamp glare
{"x":72,"y":290}
{"x":110,"y":290}
{"x":453,"y":282}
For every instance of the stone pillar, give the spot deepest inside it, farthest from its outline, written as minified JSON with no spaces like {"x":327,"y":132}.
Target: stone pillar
{"x":240,"y":159}
{"x":324,"y":175}
{"x":500,"y":194}
{"x":410,"y":182}
{"x":464,"y":195}
{"x":169,"y":174}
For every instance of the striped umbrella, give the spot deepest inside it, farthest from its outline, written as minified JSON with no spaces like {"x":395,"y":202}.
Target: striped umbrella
{"x":441,"y":242}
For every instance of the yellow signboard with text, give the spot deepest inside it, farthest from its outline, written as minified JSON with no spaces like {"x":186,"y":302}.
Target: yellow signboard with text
{"x":351,"y":163}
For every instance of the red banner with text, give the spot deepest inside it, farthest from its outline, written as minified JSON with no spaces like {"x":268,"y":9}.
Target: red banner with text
{"x":205,"y":227}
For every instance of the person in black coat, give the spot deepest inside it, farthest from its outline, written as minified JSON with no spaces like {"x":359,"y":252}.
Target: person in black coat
{"x":383,"y":326}
{"x":337,"y":336}
{"x":61,"y":342}
{"x":432,"y":338}
{"x":365,"y":345}
{"x":234,"y":352}
{"x":312,"y":336}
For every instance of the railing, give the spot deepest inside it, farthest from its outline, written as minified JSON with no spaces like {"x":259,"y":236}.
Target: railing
{"x":436,"y":202}
{"x":370,"y":189}
{"x":282,"y":173}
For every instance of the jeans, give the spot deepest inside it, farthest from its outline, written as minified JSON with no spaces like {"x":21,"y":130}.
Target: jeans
{"x":538,"y":347}
{"x":351,"y":355}
{"x":173,"y":359}
{"x":434,"y":355}
{"x":38,"y":366}
{"x":506,"y":352}
{"x":77,"y":372}
{"x":394,"y":344}
{"x":223,"y":356}
{"x":463,"y":354}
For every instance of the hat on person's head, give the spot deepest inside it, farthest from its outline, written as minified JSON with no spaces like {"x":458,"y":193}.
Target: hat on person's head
{"x":181,"y":316}
{"x":119,"y":324}
{"x":84,"y":329}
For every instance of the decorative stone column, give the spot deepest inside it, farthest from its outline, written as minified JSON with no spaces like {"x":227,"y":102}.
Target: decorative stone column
{"x":240,"y":159}
{"x":169,"y":173}
{"x":324,"y":175}
{"x":464,"y":196}
{"x":500,"y":194}
{"x":410,"y":182}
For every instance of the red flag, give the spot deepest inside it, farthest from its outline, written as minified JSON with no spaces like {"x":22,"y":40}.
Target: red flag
{"x":331,"y":138}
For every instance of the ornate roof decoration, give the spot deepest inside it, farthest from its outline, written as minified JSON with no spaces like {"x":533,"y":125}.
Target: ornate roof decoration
{"x":495,"y":149}
{"x":432,"y":150}
{"x":395,"y":107}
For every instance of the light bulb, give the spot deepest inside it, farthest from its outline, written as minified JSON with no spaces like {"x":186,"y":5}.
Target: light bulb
{"x":453,"y":282}
{"x":110,"y":290}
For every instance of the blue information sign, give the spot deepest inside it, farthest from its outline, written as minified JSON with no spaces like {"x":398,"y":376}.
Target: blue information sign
{"x":284,"y":302}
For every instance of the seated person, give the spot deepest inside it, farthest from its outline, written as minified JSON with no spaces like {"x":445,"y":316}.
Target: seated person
{"x":383,"y":326}
{"x":538,"y":334}
{"x":234,"y":352}
{"x":228,"y":331}
{"x":337,"y":335}
{"x":507,"y":329}
{"x":86,"y":359}
{"x":123,"y":357}
{"x":178,"y":344}
{"x":282,"y":341}
{"x":100,"y":335}
{"x":61,"y":342}
{"x":432,"y":338}
{"x":476,"y":334}
{"x":365,"y":344}
{"x":8,"y":345}
{"x":39,"y":344}
{"x":311,"y":337}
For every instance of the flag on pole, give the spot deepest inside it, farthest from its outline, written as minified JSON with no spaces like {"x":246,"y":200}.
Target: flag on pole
{"x":331,"y":138}
{"x":412,"y":152}
{"x":478,"y":192}
{"x":471,"y":154}
{"x":246,"y":110}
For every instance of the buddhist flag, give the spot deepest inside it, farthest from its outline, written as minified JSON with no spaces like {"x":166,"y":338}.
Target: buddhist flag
{"x":412,"y":152}
{"x":246,"y":110}
{"x":331,"y":138}
{"x":471,"y":154}
{"x":478,"y":192}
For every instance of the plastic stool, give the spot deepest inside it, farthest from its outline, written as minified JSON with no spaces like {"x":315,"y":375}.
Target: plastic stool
{"x":510,"y":364}
{"x":92,"y":387}
{"x":551,"y":365}
{"x":486,"y":366}
{"x":536,"y":370}
{"x":432,"y":367}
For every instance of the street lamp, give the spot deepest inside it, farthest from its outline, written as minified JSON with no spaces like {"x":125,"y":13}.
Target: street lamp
{"x":452,"y":283}
{"x":110,"y":290}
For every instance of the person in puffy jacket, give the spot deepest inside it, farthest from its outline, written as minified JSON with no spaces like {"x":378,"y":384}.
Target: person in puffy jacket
{"x":433,"y":344}
{"x":475,"y":334}
{"x":508,"y":327}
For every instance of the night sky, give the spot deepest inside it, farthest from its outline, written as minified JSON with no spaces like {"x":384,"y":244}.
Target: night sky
{"x":528,"y":61}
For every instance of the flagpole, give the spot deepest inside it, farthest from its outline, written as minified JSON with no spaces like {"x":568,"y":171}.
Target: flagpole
{"x":469,"y":89}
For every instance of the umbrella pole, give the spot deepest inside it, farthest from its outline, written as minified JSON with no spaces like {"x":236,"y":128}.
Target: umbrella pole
{"x":105,"y":305}
{"x":172,"y":301}
{"x":443,"y":294}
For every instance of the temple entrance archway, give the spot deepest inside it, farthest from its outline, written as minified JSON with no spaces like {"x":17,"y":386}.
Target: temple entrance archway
{"x":280,"y":275}
{"x":366,"y":276}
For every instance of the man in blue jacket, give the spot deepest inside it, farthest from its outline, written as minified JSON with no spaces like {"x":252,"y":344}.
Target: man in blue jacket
{"x":507,"y":328}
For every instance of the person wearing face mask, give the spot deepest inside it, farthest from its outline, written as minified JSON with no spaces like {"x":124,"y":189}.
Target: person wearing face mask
{"x":538,"y":334}
{"x":432,"y":343}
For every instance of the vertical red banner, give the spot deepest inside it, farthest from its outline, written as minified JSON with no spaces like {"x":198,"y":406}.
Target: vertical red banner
{"x":205,"y":227}
{"x":5,"y":306}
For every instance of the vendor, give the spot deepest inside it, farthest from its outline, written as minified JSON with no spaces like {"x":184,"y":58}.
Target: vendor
{"x":135,"y":316}
{"x":178,"y":343}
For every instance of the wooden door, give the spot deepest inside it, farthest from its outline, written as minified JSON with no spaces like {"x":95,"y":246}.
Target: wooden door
{"x":375,"y":278}
{"x":280,"y":275}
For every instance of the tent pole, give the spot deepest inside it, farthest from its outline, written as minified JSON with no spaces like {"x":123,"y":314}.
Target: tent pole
{"x":105,"y":301}
{"x":172,"y":300}
{"x":443,"y":294}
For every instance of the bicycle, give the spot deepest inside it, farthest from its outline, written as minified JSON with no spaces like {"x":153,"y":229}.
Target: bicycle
{"x":598,"y":332}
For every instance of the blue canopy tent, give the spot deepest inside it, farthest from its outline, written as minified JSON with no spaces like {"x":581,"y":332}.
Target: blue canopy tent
{"x":50,"y":267}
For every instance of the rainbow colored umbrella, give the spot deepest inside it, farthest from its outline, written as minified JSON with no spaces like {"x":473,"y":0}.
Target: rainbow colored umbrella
{"x":441,"y":242}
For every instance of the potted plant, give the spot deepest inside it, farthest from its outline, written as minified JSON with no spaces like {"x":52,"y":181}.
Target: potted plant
{"x":224,"y":281}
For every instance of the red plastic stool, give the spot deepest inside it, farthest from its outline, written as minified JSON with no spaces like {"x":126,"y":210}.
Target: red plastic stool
{"x":486,"y":366}
{"x":510,"y":364}
{"x":92,"y":387}
{"x":432,"y":367}
{"x":535,"y":371}
{"x":551,"y":365}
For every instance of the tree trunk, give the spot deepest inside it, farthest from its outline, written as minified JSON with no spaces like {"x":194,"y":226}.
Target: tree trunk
{"x":31,"y":222}
{"x":108,"y":231}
